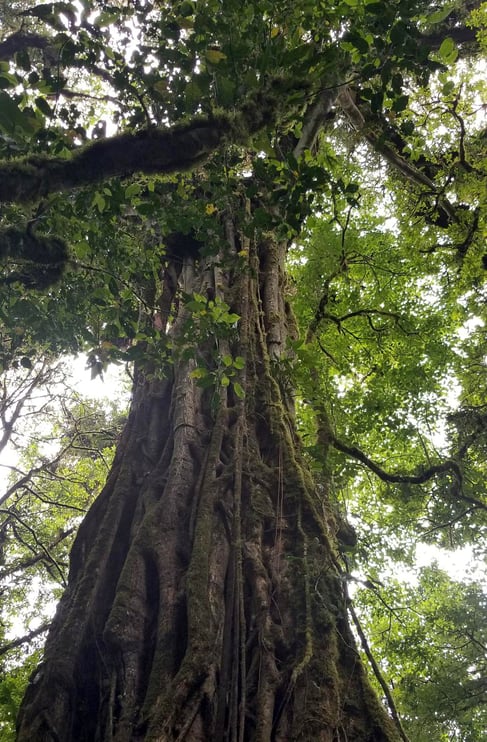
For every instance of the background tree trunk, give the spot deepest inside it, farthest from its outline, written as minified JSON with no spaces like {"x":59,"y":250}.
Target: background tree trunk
{"x":205,"y":599}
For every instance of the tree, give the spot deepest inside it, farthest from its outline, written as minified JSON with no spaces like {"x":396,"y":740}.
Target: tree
{"x":437,"y":662}
{"x":57,"y":448}
{"x":206,"y":597}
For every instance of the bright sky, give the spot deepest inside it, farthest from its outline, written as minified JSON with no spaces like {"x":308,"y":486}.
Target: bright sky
{"x":111,"y":386}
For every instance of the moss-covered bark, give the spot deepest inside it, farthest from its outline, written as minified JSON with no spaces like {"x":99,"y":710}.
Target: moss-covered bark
{"x":205,"y":600}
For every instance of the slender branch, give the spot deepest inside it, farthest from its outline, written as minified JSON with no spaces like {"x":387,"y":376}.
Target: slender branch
{"x":475,"y":641}
{"x":378,"y":674}
{"x":450,"y":465}
{"x":363,"y":121}
{"x":22,"y":482}
{"x":26,"y":563}
{"x":43,"y":548}
{"x":323,"y":303}
{"x":326,"y":352}
{"x":24,"y":639}
{"x":45,"y":467}
{"x":73,"y":94}
{"x":369,"y":313}
{"x":448,"y":523}
{"x":461,"y":142}
{"x":23,"y":392}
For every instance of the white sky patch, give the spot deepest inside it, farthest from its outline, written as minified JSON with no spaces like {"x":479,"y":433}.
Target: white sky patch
{"x":460,"y":564}
{"x":472,"y":324}
{"x":113,"y":385}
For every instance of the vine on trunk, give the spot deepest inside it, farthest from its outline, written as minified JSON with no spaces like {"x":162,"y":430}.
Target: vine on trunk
{"x":208,"y":513}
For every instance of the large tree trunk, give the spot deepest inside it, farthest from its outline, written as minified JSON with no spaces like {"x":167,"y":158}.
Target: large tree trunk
{"x":205,"y":600}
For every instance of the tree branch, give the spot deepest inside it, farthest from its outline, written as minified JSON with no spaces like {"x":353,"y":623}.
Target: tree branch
{"x":427,"y":474}
{"x":363,"y":121}
{"x":26,"y":563}
{"x":450,"y":465}
{"x":38,"y":543}
{"x":24,"y":639}
{"x":378,"y":674}
{"x":314,"y":118}
{"x":21,"y":40}
{"x":460,"y":35}
{"x":161,"y":151}
{"x":368,"y":313}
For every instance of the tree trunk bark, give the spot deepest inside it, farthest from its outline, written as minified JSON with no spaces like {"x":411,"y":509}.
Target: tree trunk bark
{"x":205,"y":599}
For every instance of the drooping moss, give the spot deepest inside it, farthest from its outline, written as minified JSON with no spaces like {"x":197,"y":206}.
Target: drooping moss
{"x":42,"y":258}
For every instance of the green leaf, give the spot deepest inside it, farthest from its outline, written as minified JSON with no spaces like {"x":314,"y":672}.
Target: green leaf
{"x":400,"y":103}
{"x":448,"y":51}
{"x":375,"y":8}
{"x":199,"y":373}
{"x":238,"y":389}
{"x":196,"y":306}
{"x":230,"y":319}
{"x":440,"y":15}
{"x":215,"y":56}
{"x":399,"y":33}
{"x":376,"y":100}
{"x":407,"y":128}
{"x":7,"y":80}
{"x":133,"y":190}
{"x":358,"y":41}
{"x":99,"y":201}
{"x":448,"y":88}
{"x":113,"y":287}
{"x":193,"y":93}
{"x":43,"y":106}
{"x":11,"y":117}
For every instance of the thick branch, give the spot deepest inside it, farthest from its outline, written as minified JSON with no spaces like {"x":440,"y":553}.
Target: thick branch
{"x":447,"y":466}
{"x":460,"y":35}
{"x":162,"y":151}
{"x":19,"y":41}
{"x":149,"y":151}
{"x":314,"y":119}
{"x":363,"y":121}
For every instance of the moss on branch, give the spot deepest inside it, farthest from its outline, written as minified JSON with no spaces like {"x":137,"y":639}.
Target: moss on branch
{"x":42,"y":258}
{"x":164,"y":151}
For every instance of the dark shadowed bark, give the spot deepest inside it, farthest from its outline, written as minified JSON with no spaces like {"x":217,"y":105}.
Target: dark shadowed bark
{"x":205,"y":599}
